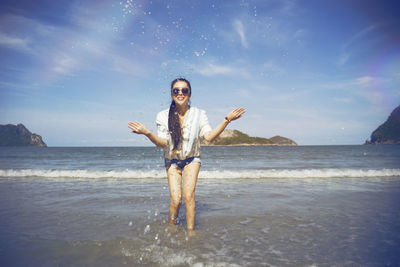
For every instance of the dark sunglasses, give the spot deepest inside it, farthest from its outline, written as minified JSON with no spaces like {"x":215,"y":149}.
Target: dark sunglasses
{"x":184,"y":91}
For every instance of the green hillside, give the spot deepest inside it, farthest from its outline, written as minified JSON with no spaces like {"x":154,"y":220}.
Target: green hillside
{"x":235,"y":137}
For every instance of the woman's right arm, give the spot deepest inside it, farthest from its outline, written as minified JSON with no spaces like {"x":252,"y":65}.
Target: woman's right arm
{"x":139,"y":128}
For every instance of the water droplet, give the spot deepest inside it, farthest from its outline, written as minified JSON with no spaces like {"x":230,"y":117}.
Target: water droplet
{"x":147,"y":229}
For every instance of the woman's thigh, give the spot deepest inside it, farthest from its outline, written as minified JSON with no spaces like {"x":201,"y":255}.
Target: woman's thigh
{"x":174,"y":181}
{"x":190,"y":174}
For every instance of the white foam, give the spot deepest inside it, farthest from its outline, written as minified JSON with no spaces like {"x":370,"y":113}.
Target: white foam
{"x":222,"y":174}
{"x":304,"y":173}
{"x":88,"y":174}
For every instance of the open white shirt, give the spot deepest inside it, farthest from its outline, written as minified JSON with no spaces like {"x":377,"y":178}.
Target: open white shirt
{"x":195,"y":125}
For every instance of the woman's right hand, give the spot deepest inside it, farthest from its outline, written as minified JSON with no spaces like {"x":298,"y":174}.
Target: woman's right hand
{"x":138,"y":128}
{"x":235,"y":114}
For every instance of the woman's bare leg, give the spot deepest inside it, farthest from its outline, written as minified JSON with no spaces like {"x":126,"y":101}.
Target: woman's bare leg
{"x":174,"y":181}
{"x":190,"y":174}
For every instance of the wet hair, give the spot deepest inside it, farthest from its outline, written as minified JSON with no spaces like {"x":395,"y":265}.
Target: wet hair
{"x":174,"y":126}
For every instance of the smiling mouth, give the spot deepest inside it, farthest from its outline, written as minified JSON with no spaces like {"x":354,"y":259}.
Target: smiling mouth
{"x":180,"y":98}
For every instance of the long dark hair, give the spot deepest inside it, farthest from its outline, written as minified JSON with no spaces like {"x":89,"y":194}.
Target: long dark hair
{"x":174,"y":126}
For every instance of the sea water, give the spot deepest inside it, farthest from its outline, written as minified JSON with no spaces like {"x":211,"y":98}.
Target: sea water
{"x":255,"y":206}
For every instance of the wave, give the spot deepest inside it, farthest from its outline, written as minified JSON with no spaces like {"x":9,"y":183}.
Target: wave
{"x":214,"y":174}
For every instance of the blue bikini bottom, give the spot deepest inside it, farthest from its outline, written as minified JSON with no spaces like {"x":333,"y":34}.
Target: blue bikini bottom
{"x":181,"y":163}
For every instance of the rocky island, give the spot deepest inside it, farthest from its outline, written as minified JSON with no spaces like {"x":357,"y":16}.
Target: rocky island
{"x":18,"y":135}
{"x":389,"y":131}
{"x":237,"y":138}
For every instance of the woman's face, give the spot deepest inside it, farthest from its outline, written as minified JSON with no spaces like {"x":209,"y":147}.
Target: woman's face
{"x":180,"y":93}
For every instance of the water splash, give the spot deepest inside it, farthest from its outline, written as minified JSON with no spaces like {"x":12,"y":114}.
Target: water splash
{"x":146,"y":229}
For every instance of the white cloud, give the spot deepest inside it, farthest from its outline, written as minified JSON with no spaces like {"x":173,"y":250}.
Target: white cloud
{"x":128,"y":66}
{"x":300,"y":33}
{"x":21,"y":44}
{"x":345,"y":100}
{"x":343,"y":58}
{"x":23,"y":26}
{"x":243,"y":93}
{"x":346,"y":47}
{"x":90,"y":43}
{"x":359,"y":35}
{"x":364,"y":81}
{"x":239,"y":28}
{"x":271,"y":69}
{"x":370,"y":88}
{"x":215,"y":69}
{"x":352,"y":84}
{"x":65,"y":65}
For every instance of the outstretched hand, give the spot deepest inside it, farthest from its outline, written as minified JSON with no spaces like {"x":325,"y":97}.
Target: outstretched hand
{"x":235,"y":114}
{"x":138,"y":128}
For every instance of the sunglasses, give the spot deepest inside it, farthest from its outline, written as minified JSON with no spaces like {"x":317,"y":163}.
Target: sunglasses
{"x":185,"y":91}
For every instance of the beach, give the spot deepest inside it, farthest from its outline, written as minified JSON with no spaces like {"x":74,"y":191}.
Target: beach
{"x":256,"y":206}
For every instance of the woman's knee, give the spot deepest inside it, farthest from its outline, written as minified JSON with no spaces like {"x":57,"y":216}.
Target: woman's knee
{"x":188,"y":196}
{"x":176,"y":201}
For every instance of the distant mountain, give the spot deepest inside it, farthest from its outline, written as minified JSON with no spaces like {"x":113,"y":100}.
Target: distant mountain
{"x":237,"y":138}
{"x":283,"y":141}
{"x":389,"y":131}
{"x":18,"y":135}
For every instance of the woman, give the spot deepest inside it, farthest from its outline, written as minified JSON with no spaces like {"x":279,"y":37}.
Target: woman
{"x":179,"y":130}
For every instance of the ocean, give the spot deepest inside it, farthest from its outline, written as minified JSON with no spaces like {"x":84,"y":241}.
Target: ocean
{"x":255,"y":206}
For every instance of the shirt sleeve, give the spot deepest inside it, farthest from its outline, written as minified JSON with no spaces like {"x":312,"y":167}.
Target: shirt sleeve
{"x":162,"y":125}
{"x":204,"y":124}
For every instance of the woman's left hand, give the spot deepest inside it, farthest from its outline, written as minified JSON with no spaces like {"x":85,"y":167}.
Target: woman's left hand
{"x":235,"y":114}
{"x":138,"y":128}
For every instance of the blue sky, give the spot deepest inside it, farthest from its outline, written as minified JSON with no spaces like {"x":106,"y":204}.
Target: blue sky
{"x":318,"y":72}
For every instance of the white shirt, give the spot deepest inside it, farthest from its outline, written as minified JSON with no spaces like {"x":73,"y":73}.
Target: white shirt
{"x":195,"y":125}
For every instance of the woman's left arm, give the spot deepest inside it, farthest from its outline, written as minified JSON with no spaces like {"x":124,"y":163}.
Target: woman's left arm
{"x":233,"y":115}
